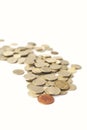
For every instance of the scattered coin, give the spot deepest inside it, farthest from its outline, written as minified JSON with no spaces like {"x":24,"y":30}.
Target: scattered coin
{"x":54,"y":52}
{"x":50,"y":77}
{"x":35,"y":89}
{"x":12,"y":60}
{"x":18,"y":71}
{"x":52,"y":90}
{"x":62,"y":85}
{"x":30,"y":76}
{"x":8,"y":53}
{"x":46,"y":75}
{"x":39,"y":81}
{"x":45,"y":99}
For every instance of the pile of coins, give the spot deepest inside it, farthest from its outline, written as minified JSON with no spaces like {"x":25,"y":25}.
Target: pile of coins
{"x":47,"y":75}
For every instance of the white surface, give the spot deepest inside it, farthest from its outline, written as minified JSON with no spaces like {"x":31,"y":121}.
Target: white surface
{"x":63,"y":25}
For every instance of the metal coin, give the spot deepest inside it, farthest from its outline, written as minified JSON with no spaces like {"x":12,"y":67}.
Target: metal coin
{"x":29,"y":76}
{"x":52,"y":91}
{"x":39,"y":81}
{"x":62,"y":85}
{"x":18,"y":71}
{"x":45,"y":99}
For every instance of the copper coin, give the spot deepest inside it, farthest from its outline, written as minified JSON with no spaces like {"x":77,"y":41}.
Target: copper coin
{"x":45,"y":99}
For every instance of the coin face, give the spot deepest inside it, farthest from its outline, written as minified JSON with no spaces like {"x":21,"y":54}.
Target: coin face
{"x":62,"y":85}
{"x":18,"y":71}
{"x":12,"y":60}
{"x":39,"y":81}
{"x":30,"y":76}
{"x":52,"y":90}
{"x":45,"y":99}
{"x":8,"y":53}
{"x":35,"y":89}
{"x":50,"y":77}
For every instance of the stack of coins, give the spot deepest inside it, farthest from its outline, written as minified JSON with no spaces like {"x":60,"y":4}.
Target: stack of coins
{"x":46,"y":75}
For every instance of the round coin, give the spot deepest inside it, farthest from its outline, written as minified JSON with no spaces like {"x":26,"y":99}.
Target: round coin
{"x":18,"y":71}
{"x":52,"y":91}
{"x":45,"y":99}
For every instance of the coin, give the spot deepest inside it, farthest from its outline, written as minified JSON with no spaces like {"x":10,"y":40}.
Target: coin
{"x":54,"y":52}
{"x":72,"y":87}
{"x":18,"y":71}
{"x":21,"y":60}
{"x":62,"y":85}
{"x":33,"y":94}
{"x":72,"y":70}
{"x":55,"y":66}
{"x":50,"y":60}
{"x":35,"y":89}
{"x":64,"y":73}
{"x":36,"y":70}
{"x":76,"y":66}
{"x":39,"y":81}
{"x":50,"y":77}
{"x":8,"y":53}
{"x":12,"y":60}
{"x":2,"y":40}
{"x":46,"y":69}
{"x":52,"y":90}
{"x":45,"y":99}
{"x":29,"y":76}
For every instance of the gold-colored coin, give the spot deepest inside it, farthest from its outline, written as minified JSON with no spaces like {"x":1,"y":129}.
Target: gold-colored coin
{"x":35,"y":89}
{"x":64,"y":73}
{"x":62,"y":85}
{"x":50,"y":77}
{"x":12,"y":60}
{"x":50,"y":60}
{"x":76,"y":66}
{"x":39,"y":81}
{"x":72,"y":87}
{"x":52,"y":90}
{"x":29,"y":76}
{"x":18,"y":71}
{"x":36,"y":70}
{"x":54,"y":52}
{"x":55,"y":66}
{"x":8,"y":53}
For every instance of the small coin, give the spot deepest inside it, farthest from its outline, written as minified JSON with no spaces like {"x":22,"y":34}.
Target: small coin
{"x":64,"y":73}
{"x":64,"y":62}
{"x":49,"y":84}
{"x":46,"y":69}
{"x":8,"y":53}
{"x":50,"y":77}
{"x":72,"y":87}
{"x":76,"y":66}
{"x":45,"y":99}
{"x":72,"y":70}
{"x":12,"y":60}
{"x":30,"y":59}
{"x":55,"y":66}
{"x":36,"y":70}
{"x":33,"y":94}
{"x":39,"y":81}
{"x":29,"y":76}
{"x":18,"y":71}
{"x":21,"y":60}
{"x":31,"y":43}
{"x":54,"y":52}
{"x":50,"y":60}
{"x":29,"y":67}
{"x":17,"y":56}
{"x":63,"y":92}
{"x":35,"y":89}
{"x":52,"y":90}
{"x":62,"y":78}
{"x":62,"y":85}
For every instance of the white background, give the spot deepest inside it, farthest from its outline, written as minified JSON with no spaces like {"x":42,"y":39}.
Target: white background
{"x":63,"y":25}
